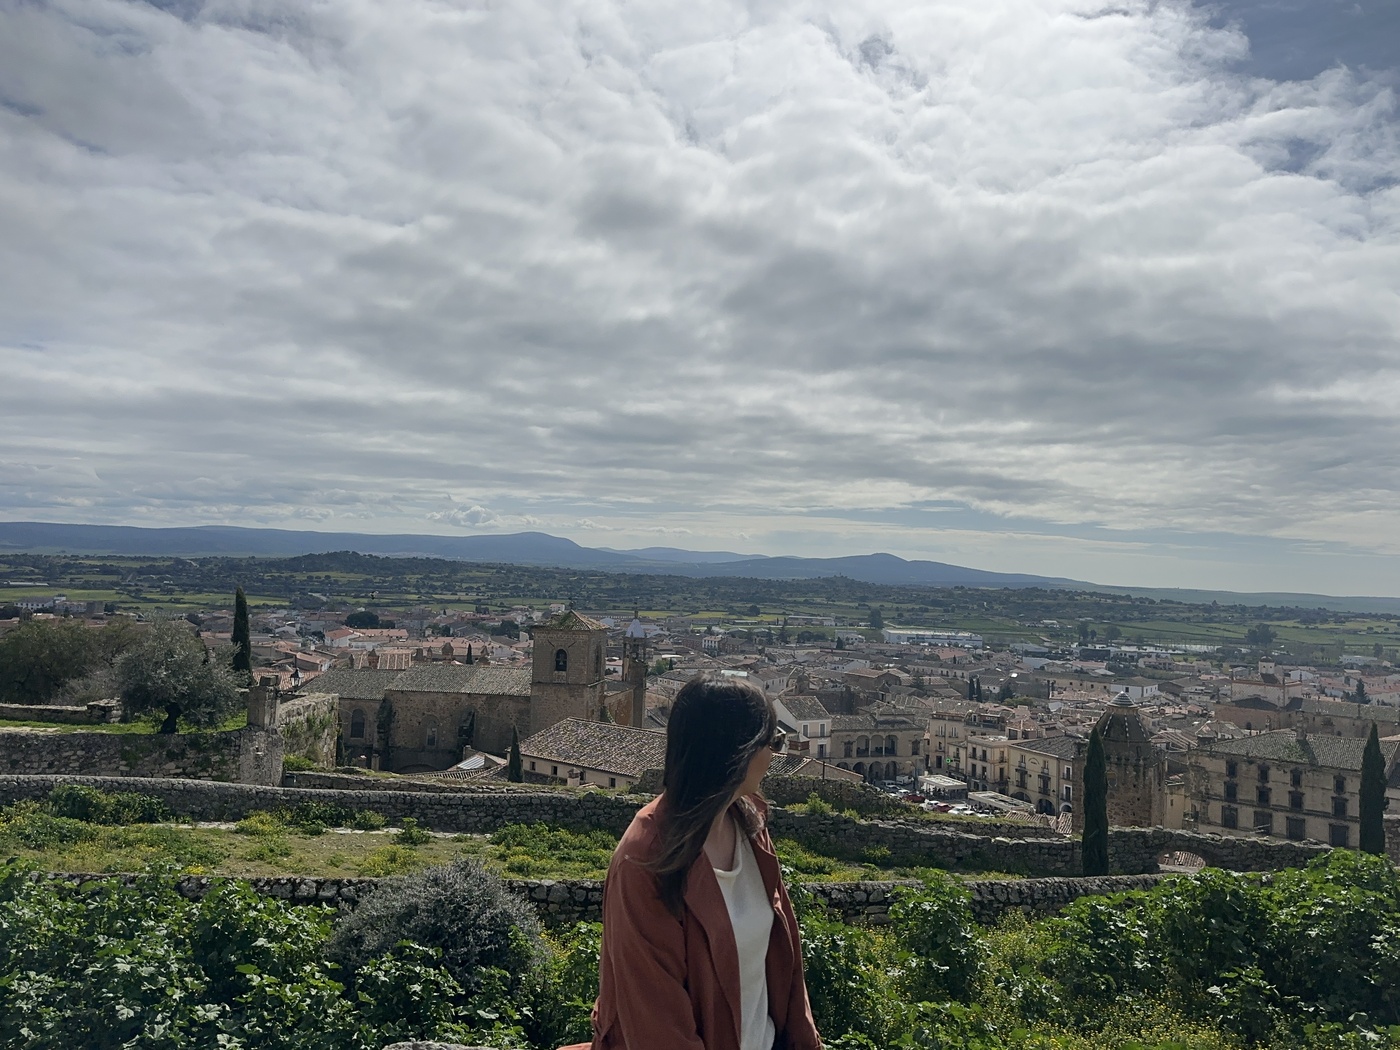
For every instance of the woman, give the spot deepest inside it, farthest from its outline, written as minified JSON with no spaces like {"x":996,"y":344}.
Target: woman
{"x":700,"y":944}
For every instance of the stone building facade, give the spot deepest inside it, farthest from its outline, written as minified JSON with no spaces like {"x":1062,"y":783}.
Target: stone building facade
{"x":566,"y":678}
{"x":880,"y":743}
{"x":420,"y":719}
{"x":1286,"y":783}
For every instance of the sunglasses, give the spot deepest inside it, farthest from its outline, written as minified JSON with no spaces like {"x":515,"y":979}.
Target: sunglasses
{"x":778,"y":742}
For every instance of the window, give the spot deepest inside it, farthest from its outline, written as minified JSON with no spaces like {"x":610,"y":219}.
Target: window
{"x":1339,"y":786}
{"x":1296,"y":778}
{"x":1231,"y":769}
{"x":1337,"y":835}
{"x":532,"y":765}
{"x":806,"y":730}
{"x":430,"y":737}
{"x":1263,"y":821}
{"x":612,"y":782}
{"x":1229,"y":817}
{"x":821,"y":750}
{"x":1263,"y":774}
{"x":357,"y":725}
{"x":849,"y":749}
{"x":1295,"y":800}
{"x":1339,"y":807}
{"x":821,"y":729}
{"x":1297,"y":828}
{"x":1231,"y":790}
{"x":914,"y":747}
{"x":554,"y":771}
{"x":1263,"y":796}
{"x":561,"y":660}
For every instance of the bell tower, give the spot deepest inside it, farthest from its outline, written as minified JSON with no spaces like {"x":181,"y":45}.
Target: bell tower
{"x":566,"y":680}
{"x":634,"y":670}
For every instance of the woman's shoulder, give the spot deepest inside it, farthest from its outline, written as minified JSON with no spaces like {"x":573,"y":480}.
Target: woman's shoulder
{"x":643,"y":836}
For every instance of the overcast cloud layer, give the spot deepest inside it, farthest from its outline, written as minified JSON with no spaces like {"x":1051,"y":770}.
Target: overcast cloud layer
{"x":1053,"y":286}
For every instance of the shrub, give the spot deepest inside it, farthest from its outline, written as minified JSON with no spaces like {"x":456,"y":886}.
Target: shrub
{"x":803,"y":861}
{"x":309,"y":814}
{"x":390,"y":860}
{"x":368,"y":820}
{"x":461,"y":908}
{"x":411,"y":834}
{"x":532,"y":850}
{"x":260,"y":823}
{"x":935,"y":926}
{"x":79,"y":802}
{"x":30,"y":827}
{"x":297,"y":764}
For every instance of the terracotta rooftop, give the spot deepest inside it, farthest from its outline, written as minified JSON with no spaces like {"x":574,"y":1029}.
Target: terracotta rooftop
{"x":481,"y":679}
{"x":599,"y":745}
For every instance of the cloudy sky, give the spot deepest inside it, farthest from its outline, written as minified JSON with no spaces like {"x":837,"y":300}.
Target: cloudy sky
{"x":1107,"y":289}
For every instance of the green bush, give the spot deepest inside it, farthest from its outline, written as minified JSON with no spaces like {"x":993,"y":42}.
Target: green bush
{"x":260,"y":822}
{"x":411,"y":835}
{"x":28,"y":826}
{"x":536,"y":850}
{"x":297,"y":764}
{"x":390,"y":860}
{"x":80,"y":802}
{"x":367,"y":820}
{"x":461,"y":908}
{"x":934,"y":926}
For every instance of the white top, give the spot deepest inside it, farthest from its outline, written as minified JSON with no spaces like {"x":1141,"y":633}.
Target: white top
{"x":751,"y":915}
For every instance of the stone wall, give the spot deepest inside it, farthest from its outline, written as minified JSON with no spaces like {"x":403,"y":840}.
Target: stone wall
{"x":310,"y":727}
{"x":196,"y":756}
{"x":561,"y":902}
{"x":1132,"y":851}
{"x":394,"y":782}
{"x":90,"y":714}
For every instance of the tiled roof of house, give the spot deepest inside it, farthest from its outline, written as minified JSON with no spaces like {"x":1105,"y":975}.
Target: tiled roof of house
{"x":805,"y":708}
{"x":1054,"y":746}
{"x":1283,"y":745}
{"x":353,"y":684}
{"x":482,"y":679}
{"x":599,"y":745}
{"x":1341,"y":709}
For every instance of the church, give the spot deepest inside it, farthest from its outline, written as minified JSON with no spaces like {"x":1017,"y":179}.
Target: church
{"x":419,"y":719}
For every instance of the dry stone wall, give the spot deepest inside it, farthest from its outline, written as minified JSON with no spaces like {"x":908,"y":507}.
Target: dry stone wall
{"x":565,"y":901}
{"x":196,"y":756}
{"x":1132,"y":851}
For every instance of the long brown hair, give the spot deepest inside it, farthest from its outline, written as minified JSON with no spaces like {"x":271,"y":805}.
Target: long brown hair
{"x":716,"y":727}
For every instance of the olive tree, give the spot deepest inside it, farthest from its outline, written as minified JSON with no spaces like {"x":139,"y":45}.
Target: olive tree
{"x":170,"y":673}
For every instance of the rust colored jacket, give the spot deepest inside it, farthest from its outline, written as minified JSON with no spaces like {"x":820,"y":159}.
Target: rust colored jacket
{"x":673,"y":984}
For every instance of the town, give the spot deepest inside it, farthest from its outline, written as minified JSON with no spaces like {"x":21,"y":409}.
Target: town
{"x":1246,"y":740}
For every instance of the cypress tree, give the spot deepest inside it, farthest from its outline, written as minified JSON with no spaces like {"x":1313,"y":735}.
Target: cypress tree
{"x":515,"y":768}
{"x":242,"y":638}
{"x":1372,"y":808}
{"x":1093,"y":846}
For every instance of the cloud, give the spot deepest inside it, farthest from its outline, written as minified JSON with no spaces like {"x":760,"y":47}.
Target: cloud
{"x":601,"y":264}
{"x":472,"y":517}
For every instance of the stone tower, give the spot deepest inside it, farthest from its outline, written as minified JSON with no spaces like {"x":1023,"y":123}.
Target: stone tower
{"x":634,"y":672}
{"x":1137,"y":769}
{"x":567,"y":678}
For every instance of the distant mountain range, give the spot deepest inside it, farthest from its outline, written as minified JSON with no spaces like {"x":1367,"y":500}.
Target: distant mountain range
{"x":538,"y":548}
{"x":523,"y":548}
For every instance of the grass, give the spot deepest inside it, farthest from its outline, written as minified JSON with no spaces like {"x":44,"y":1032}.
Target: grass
{"x":139,"y":727}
